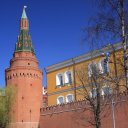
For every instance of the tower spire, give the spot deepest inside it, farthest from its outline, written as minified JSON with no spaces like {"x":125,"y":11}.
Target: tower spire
{"x":24,"y":42}
{"x":24,"y":16}
{"x":24,"y":24}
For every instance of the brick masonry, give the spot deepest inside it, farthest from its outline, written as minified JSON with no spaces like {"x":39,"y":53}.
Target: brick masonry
{"x":77,"y":114}
{"x":27,"y":77}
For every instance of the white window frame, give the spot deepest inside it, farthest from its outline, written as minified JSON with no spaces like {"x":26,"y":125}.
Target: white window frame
{"x":58,"y":82}
{"x":102,"y":91}
{"x":101,"y":67}
{"x":66,"y":78}
{"x":92,"y":94}
{"x":58,"y":102}
{"x":90,"y":72}
{"x":67,"y":101}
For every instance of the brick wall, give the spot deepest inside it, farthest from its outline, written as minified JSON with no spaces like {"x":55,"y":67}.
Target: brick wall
{"x":77,"y":114}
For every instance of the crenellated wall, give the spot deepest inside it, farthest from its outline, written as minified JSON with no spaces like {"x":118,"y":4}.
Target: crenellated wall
{"x":23,"y":74}
{"x":56,"y":109}
{"x":77,"y":114}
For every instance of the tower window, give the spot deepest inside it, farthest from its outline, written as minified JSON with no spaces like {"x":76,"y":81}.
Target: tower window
{"x":22,"y":97}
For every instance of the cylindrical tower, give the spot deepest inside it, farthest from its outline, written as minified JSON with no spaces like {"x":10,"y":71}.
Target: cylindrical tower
{"x":25,"y":74}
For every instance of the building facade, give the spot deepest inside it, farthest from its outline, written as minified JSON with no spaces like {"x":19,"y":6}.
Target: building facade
{"x":64,"y":82}
{"x":25,"y":74}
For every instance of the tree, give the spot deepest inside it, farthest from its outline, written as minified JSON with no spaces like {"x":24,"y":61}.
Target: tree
{"x":110,"y":25}
{"x":96,"y":90}
{"x":7,"y":98}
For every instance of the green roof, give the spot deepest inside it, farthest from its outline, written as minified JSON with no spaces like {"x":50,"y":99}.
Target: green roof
{"x":24,"y":16}
{"x":24,"y":42}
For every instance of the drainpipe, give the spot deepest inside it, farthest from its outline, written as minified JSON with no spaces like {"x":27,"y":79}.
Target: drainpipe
{"x":74,"y":78}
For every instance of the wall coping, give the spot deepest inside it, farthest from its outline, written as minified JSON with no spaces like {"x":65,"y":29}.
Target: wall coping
{"x":81,"y":104}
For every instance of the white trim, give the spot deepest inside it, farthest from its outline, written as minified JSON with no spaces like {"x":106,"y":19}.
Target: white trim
{"x":67,"y":98}
{"x":90,"y":71}
{"x":101,"y":66}
{"x":66,"y":79}
{"x":58,"y":102}
{"x":101,"y":70}
{"x":92,"y":94}
{"x":102,"y":91}
{"x":58,"y":82}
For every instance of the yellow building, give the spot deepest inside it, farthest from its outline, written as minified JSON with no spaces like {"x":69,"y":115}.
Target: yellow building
{"x":63,"y":84}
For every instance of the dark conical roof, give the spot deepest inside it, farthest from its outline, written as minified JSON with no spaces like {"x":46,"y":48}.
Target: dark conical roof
{"x":24,"y":42}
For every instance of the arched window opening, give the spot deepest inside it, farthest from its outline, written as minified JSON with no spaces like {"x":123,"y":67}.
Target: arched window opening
{"x":68,"y":77}
{"x":60,"y":100}
{"x":59,"y":79}
{"x":92,"y":69}
{"x":104,"y":66}
{"x":106,"y":90}
{"x":93,"y":93}
{"x":69,"y":98}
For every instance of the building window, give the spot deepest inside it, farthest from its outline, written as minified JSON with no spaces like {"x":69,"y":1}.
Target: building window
{"x":68,"y":77}
{"x":93,"y":93}
{"x":69,"y":98}
{"x":60,"y":100}
{"x":59,"y":79}
{"x":92,"y":69}
{"x":104,"y":66}
{"x":106,"y":91}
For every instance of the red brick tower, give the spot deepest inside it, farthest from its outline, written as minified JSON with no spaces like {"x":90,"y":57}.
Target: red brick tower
{"x":27,"y":77}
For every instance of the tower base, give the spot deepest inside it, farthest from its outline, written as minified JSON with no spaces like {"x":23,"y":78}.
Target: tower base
{"x":24,"y":125}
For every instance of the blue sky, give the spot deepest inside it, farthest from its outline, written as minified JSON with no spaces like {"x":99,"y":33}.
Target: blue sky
{"x":55,"y":28}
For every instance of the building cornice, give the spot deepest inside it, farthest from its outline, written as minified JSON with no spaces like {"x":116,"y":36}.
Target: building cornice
{"x":84,"y":57}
